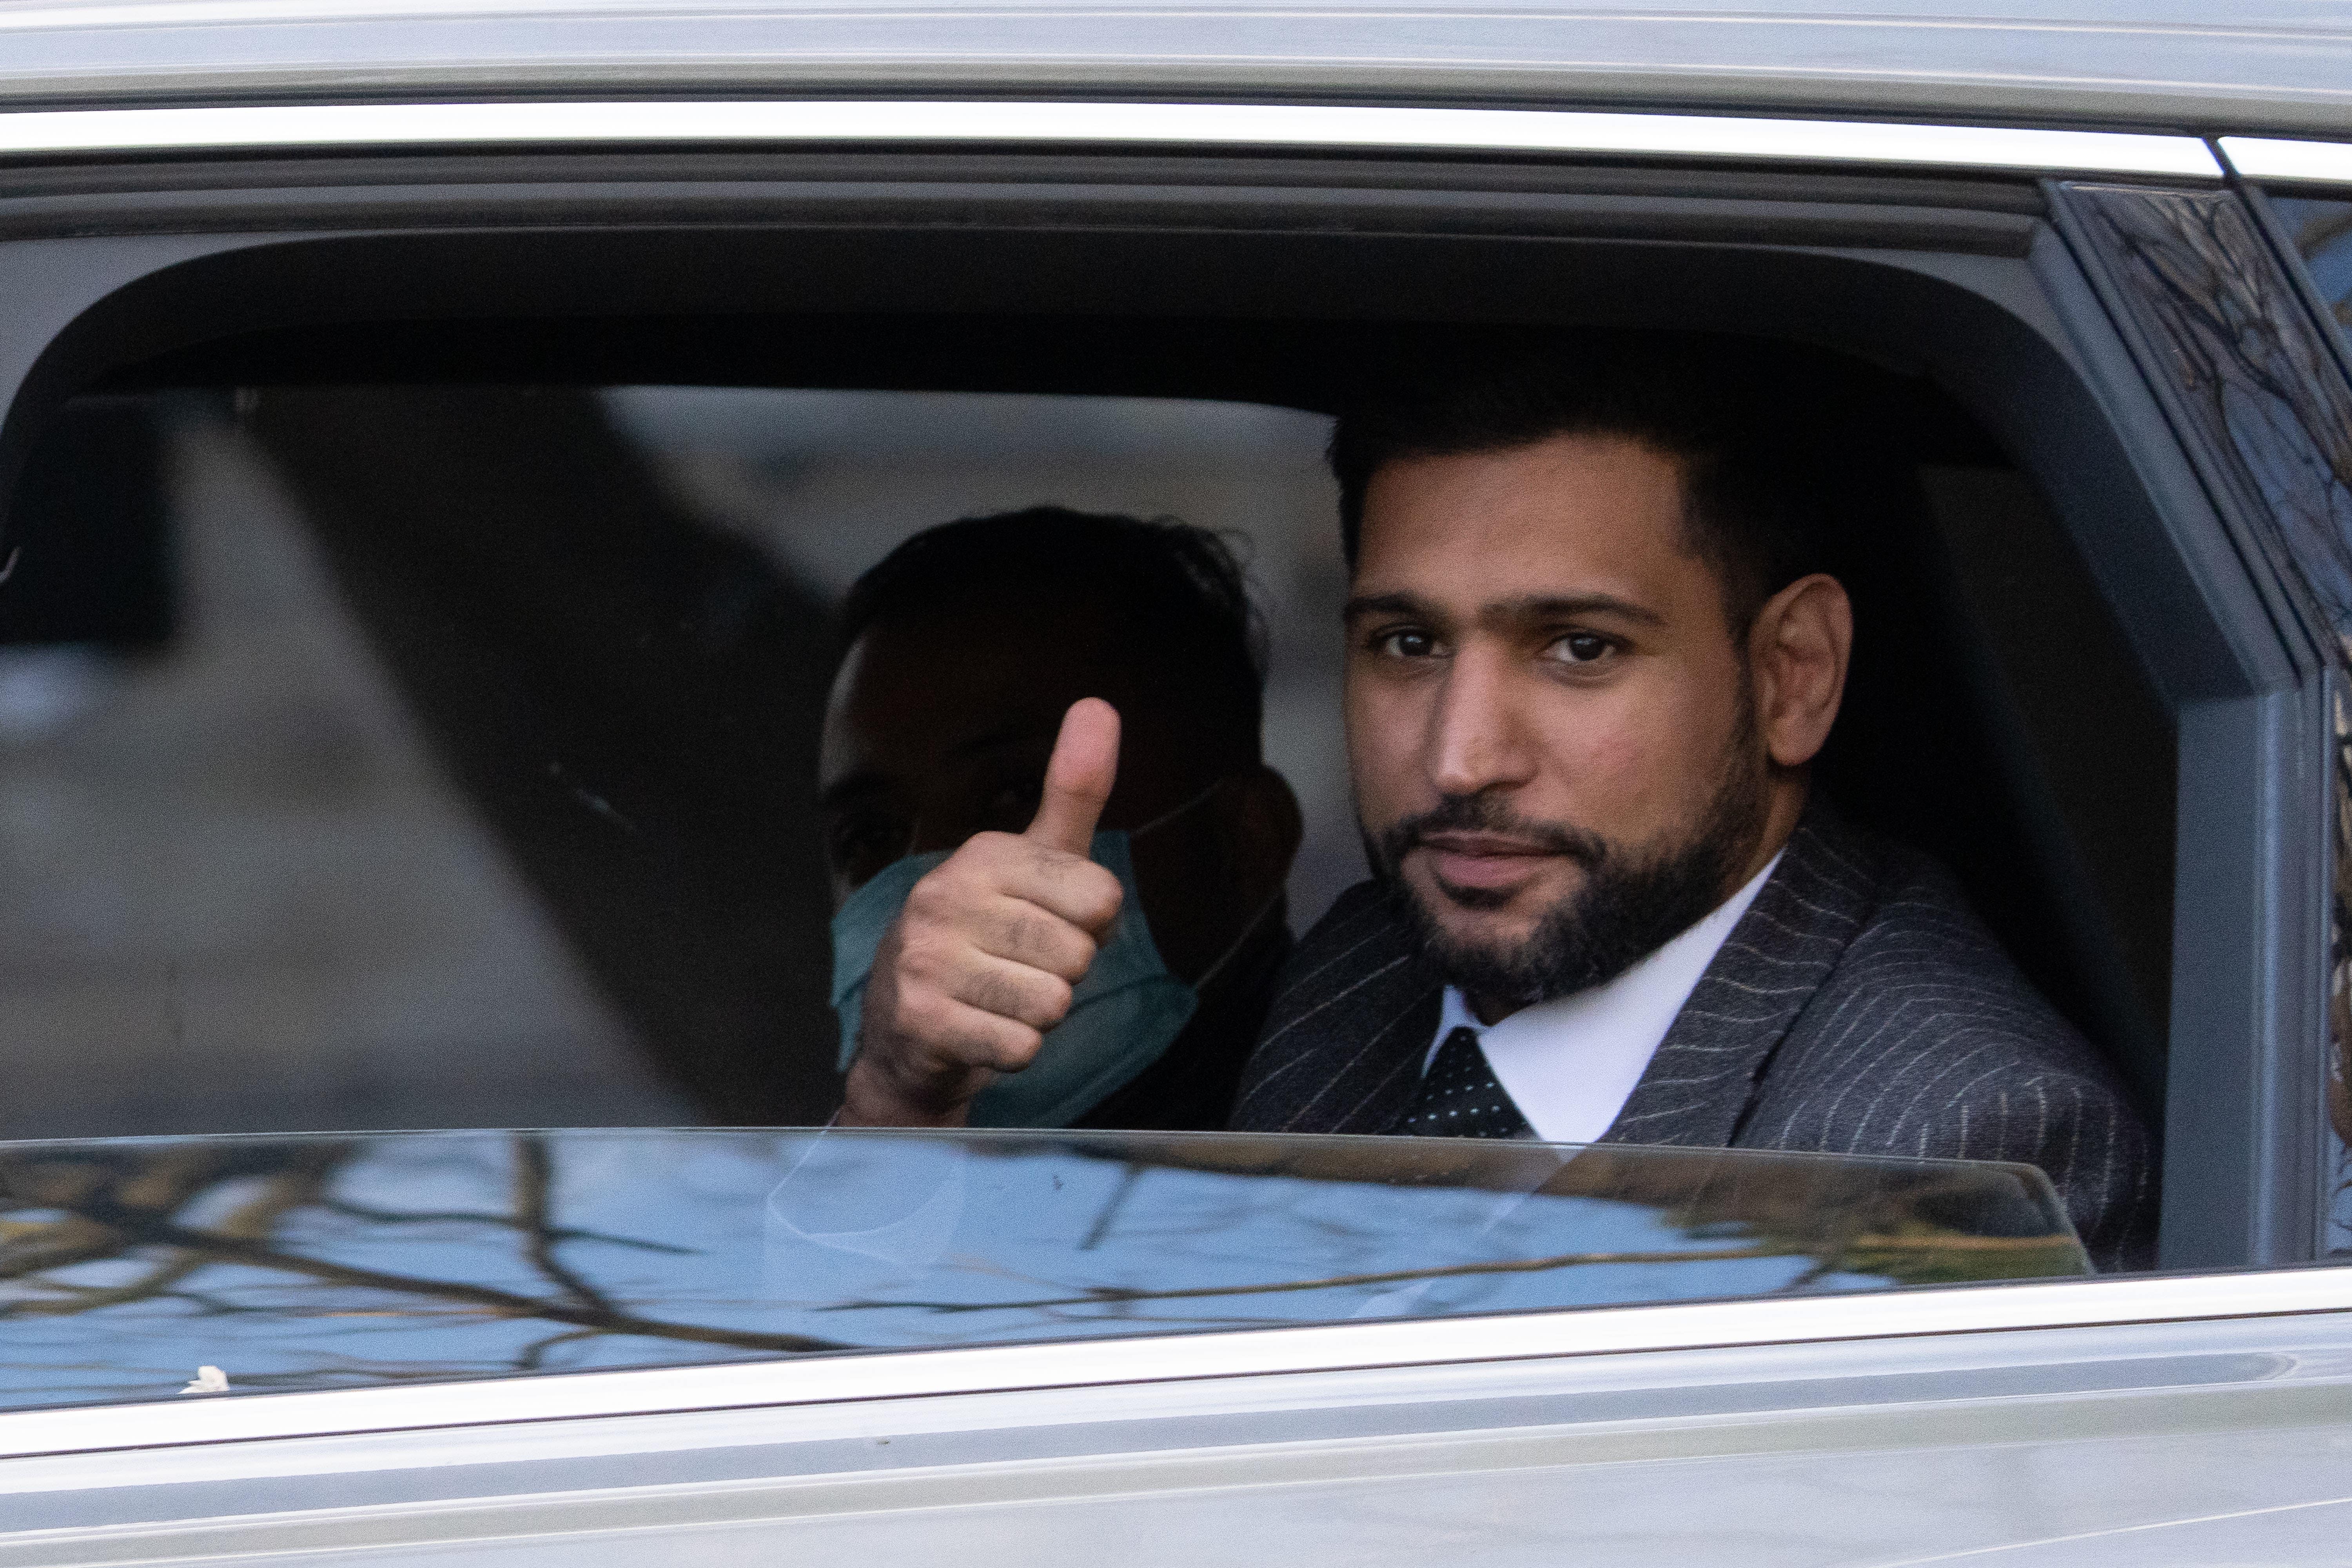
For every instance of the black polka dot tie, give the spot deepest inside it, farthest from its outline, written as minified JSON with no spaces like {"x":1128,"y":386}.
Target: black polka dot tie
{"x":1461,"y":1096}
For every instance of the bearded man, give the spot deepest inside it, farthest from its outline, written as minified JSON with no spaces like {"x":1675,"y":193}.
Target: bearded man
{"x":1591,"y":657}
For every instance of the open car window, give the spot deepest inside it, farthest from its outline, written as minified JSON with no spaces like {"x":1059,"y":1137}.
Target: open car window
{"x":157,"y":1268}
{"x":446,"y":755}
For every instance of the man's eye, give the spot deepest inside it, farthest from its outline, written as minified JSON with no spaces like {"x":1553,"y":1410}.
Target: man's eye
{"x":1405,"y":643}
{"x":1581,"y":647}
{"x":866,"y":844}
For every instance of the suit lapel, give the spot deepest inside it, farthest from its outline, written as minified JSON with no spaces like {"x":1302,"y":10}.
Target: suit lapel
{"x":1345,"y":1038}
{"x":1699,"y":1085}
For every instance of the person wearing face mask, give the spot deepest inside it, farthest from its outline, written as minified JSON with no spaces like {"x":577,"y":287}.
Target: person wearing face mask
{"x":1098,"y":949}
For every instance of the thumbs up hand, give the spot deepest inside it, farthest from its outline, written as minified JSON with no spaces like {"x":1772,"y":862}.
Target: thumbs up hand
{"x":982,"y":959}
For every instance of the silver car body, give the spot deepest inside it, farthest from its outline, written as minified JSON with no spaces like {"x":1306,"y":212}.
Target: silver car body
{"x":2166,"y":1419}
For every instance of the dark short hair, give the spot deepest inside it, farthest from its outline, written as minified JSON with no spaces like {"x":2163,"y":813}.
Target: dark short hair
{"x":1742,"y":424}
{"x":1174,"y":597}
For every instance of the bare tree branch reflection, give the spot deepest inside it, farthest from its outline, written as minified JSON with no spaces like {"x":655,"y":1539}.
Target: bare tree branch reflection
{"x":2028,"y":1249}
{"x":309,"y":1244}
{"x":118,"y":1206}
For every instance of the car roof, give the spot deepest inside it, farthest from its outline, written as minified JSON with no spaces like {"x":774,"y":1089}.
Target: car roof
{"x":2278,"y":66}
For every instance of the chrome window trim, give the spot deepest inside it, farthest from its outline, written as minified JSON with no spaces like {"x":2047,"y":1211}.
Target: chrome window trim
{"x":389,"y":125}
{"x":1333,"y":1347}
{"x":2269,"y":158}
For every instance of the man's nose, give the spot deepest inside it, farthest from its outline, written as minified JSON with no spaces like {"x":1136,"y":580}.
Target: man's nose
{"x":1476,"y":739}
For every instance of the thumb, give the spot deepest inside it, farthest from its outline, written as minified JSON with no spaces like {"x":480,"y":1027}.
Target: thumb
{"x":1078,"y":777}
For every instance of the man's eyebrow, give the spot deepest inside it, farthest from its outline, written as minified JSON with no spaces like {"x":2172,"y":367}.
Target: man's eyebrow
{"x":1530,"y":607}
{"x":840,"y":792}
{"x":1551,"y":606}
{"x":1397,"y":604}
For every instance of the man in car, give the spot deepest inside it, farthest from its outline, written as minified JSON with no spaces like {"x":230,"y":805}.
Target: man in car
{"x":964,"y":648}
{"x":1590,"y":657}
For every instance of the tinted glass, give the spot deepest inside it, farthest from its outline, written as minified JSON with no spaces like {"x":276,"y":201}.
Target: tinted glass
{"x":128,"y":1267}
{"x":2322,"y":231}
{"x":445,"y":756}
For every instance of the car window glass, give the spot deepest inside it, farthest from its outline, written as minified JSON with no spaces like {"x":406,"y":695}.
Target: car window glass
{"x":2321,"y":230}
{"x":144,"y":1269}
{"x":449,"y":753}
{"x":358,"y":746}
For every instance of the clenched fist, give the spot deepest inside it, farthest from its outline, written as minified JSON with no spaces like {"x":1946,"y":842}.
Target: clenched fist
{"x":980,"y":962}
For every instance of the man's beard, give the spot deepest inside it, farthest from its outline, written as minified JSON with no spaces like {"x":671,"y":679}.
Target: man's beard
{"x":1627,"y":906}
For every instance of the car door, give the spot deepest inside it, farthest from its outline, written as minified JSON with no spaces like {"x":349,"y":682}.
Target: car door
{"x":2111,"y":311}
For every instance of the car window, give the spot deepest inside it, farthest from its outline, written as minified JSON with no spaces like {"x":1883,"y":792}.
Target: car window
{"x":436,"y":755}
{"x":447,"y":751}
{"x":360,"y":742}
{"x":153,"y":1269}
{"x":2321,"y":230}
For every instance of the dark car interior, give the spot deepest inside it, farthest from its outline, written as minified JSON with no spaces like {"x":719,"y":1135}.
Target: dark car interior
{"x":625,"y":696}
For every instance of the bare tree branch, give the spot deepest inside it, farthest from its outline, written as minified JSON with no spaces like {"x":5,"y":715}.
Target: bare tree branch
{"x":534,"y":1174}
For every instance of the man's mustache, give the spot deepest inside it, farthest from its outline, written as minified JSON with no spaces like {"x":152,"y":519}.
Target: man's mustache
{"x":1490,"y":813}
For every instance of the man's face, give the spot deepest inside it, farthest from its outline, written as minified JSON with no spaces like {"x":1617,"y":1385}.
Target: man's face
{"x":938,"y":727}
{"x":1549,"y":725}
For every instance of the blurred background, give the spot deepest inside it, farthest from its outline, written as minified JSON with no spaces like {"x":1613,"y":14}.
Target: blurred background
{"x":378,"y":757}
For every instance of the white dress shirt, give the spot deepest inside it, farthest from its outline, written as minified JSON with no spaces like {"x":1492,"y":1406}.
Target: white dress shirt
{"x":1569,"y":1064}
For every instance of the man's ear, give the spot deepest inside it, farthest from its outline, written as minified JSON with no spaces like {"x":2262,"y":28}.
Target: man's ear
{"x":1798,"y":650}
{"x":1263,"y":829}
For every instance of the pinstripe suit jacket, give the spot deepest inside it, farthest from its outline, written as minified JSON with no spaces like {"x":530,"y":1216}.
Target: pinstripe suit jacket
{"x":1857,"y":1007}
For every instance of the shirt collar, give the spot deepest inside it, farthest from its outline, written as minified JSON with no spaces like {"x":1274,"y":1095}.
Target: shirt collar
{"x":1571,"y":1063}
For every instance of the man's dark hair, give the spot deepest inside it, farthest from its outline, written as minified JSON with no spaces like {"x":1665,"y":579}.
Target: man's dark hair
{"x":1174,"y":598}
{"x":1744,"y":427}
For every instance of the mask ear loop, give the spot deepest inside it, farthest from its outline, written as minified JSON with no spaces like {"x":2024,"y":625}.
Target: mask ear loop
{"x":1255,"y":921}
{"x":1173,"y":812}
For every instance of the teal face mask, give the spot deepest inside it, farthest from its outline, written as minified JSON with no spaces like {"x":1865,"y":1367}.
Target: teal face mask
{"x":1123,"y":1016}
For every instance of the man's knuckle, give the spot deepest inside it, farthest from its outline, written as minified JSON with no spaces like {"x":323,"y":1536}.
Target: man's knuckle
{"x":1014,"y":1047}
{"x":920,"y":1012}
{"x":987,"y":993}
{"x":985,"y":856}
{"x":1054,"y":996}
{"x":1049,"y":862}
{"x":1041,"y":938}
{"x":923,"y":958}
{"x":1103,"y":897}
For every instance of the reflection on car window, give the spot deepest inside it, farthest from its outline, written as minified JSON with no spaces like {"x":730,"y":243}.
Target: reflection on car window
{"x":372,"y":1259}
{"x":2322,"y":231}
